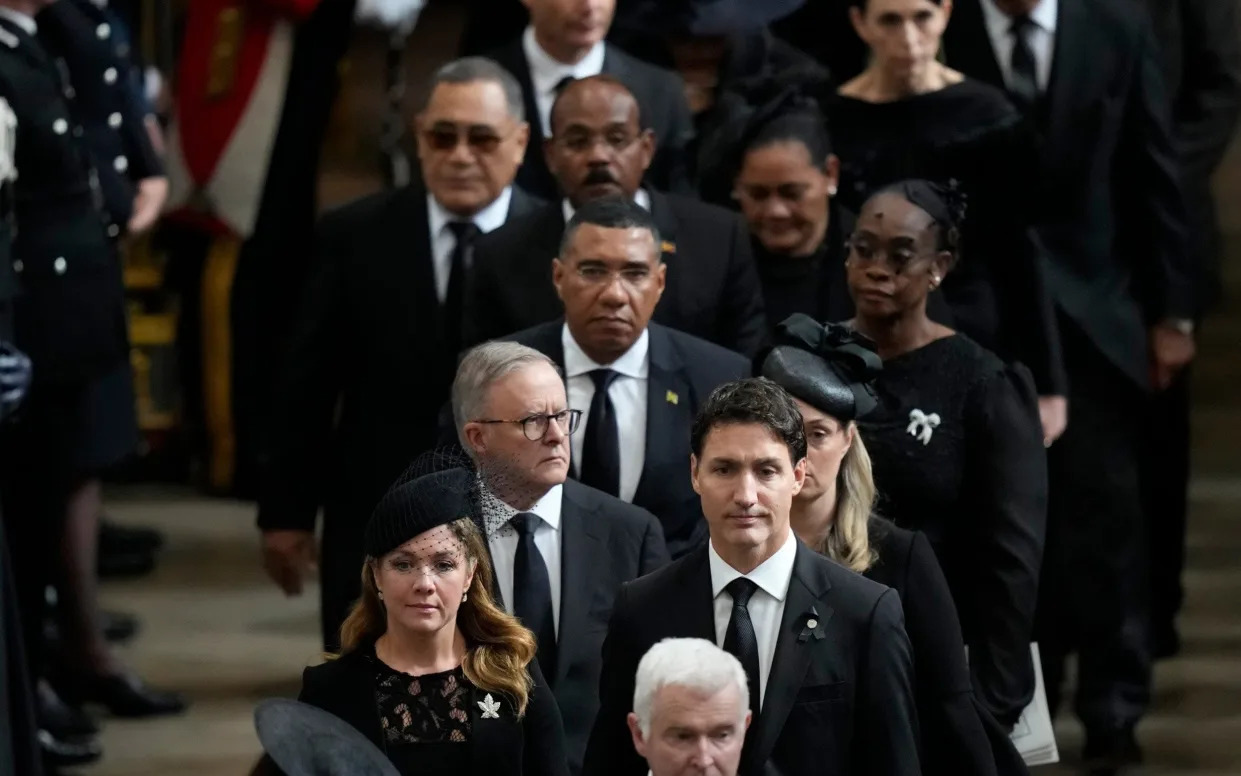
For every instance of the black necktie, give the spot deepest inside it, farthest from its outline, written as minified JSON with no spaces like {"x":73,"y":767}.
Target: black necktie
{"x":532,"y":591}
{"x":1024,"y":79}
{"x":465,"y":233}
{"x":740,"y":640}
{"x":561,"y":84}
{"x":601,"y":447}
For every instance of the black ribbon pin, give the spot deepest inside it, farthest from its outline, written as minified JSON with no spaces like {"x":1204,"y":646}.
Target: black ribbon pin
{"x":812,"y":625}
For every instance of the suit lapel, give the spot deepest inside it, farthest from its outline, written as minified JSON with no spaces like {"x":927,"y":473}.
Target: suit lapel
{"x":669,"y":404}
{"x":513,"y":58}
{"x":1074,"y":62}
{"x":580,"y":549}
{"x":794,"y":648}
{"x":665,"y":219}
{"x":973,"y":53}
{"x":407,"y":238}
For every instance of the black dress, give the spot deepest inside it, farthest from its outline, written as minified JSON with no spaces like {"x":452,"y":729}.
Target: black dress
{"x":959,"y":736}
{"x":815,"y":285}
{"x":970,"y":133}
{"x":424,"y":719}
{"x":958,"y":455}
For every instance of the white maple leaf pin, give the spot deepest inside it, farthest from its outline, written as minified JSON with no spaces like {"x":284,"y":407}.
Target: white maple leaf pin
{"x":490,"y":707}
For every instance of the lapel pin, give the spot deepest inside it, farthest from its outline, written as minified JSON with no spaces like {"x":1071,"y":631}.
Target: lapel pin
{"x":814,"y":627}
{"x":671,"y":397}
{"x":490,"y":707}
{"x":667,"y":247}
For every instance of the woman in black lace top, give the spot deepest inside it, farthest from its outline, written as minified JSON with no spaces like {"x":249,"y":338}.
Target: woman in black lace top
{"x":955,"y":438}
{"x":909,"y":116}
{"x":431,"y":670}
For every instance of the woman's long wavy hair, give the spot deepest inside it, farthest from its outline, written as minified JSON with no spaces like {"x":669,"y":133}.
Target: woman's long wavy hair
{"x":848,"y":540}
{"x":498,"y":647}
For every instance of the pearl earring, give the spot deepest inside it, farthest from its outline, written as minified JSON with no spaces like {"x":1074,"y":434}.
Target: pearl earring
{"x":381,"y":595}
{"x":465,"y":596}
{"x":831,"y":191}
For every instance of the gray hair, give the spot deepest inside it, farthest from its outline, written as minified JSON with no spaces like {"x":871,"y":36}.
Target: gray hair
{"x":469,"y":70}
{"x":481,"y":367}
{"x":696,"y":664}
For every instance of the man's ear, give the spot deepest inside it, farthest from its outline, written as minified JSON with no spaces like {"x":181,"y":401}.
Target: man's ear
{"x":473,"y":433}
{"x":799,"y":476}
{"x":635,"y":730}
{"x":558,"y":272}
{"x":693,"y":473}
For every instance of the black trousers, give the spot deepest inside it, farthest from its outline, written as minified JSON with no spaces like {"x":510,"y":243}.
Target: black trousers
{"x":19,"y":749}
{"x":1094,"y":593}
{"x":1165,"y":482}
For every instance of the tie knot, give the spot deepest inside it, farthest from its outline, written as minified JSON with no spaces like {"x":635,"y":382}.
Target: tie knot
{"x":525,"y":523}
{"x":741,"y":589}
{"x":562,"y":83}
{"x":603,"y":378}
{"x":1021,"y":25}
{"x":464,"y":231}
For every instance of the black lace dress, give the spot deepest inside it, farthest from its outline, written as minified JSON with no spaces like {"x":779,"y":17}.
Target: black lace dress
{"x":958,"y":455}
{"x":970,"y":133}
{"x":425,"y":720}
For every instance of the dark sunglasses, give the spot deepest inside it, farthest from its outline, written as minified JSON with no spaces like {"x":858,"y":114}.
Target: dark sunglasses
{"x":446,"y":137}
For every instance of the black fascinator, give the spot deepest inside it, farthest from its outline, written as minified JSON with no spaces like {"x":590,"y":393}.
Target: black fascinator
{"x":304,"y":740}
{"x":827,"y":365}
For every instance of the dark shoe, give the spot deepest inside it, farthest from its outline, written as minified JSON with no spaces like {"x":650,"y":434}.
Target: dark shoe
{"x":119,"y":627}
{"x":125,"y":695}
{"x":68,"y":752}
{"x":1112,"y":752}
{"x":127,"y":565}
{"x":126,"y":539}
{"x":59,"y":718}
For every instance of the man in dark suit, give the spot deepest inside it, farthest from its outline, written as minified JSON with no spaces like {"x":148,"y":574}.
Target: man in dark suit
{"x":825,"y":653}
{"x":379,"y":329}
{"x":565,"y":40}
{"x":1201,"y":45}
{"x":1088,"y":75}
{"x":634,"y":439}
{"x":599,"y":149}
{"x":560,"y":550}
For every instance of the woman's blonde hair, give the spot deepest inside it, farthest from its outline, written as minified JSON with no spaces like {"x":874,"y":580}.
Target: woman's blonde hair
{"x":848,"y":540}
{"x":498,"y":647}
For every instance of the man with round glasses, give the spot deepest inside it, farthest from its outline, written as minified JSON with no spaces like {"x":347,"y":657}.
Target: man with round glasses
{"x":566,"y":548}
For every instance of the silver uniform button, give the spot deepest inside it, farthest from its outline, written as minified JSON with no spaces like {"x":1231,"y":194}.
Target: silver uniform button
{"x":103,"y":31}
{"x":60,"y":126}
{"x":18,"y":265}
{"x":60,"y":265}
{"x":113,"y":230}
{"x":120,"y":163}
{"x":109,"y":75}
{"x":114,"y":120}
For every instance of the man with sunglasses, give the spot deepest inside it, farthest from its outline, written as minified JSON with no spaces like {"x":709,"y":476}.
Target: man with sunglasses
{"x":379,"y":331}
{"x":638,"y":382}
{"x":598,"y":148}
{"x":564,"y":549}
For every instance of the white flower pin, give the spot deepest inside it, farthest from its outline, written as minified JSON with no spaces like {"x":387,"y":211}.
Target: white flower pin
{"x":490,"y":707}
{"x":922,"y":425}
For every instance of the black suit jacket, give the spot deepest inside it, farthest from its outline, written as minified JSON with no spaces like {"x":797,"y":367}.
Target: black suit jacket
{"x":839,"y":697}
{"x":1111,"y":216}
{"x":366,"y":338}
{"x":604,"y":544}
{"x":959,"y":735}
{"x":661,"y":99}
{"x":712,"y":291}
{"x":530,"y":746}
{"x":684,"y":370}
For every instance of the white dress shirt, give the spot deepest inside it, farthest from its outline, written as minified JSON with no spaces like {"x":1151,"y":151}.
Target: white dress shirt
{"x":503,"y":538}
{"x":1042,"y":36}
{"x":443,"y":241}
{"x":640,"y":198}
{"x":546,"y":73}
{"x":766,"y":607}
{"x":628,"y":394}
{"x":27,"y":23}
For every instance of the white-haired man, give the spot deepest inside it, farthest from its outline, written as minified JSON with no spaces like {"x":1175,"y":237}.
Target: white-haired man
{"x":690,"y":709}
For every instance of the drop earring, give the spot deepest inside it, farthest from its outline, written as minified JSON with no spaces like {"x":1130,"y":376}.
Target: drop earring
{"x":465,"y":596}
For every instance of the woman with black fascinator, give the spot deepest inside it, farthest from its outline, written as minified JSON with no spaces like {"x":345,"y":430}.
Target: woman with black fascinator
{"x":829,"y":370}
{"x":909,"y":116}
{"x":954,"y":437}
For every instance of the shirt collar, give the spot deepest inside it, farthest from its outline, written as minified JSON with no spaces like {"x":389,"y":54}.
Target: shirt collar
{"x":641,"y":198}
{"x":489,"y":218}
{"x":633,"y":363}
{"x":27,"y":23}
{"x":547,"y":508}
{"x":772,"y":575}
{"x":1044,"y":16}
{"x":546,"y":73}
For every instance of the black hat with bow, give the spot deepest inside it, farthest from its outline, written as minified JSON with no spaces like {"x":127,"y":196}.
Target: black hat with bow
{"x":827,"y":365}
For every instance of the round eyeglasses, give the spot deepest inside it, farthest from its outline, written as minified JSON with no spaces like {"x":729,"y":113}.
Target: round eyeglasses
{"x":535,"y":426}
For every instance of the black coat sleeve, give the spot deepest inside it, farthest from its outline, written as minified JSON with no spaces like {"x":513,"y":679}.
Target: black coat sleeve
{"x":1208,"y":102}
{"x":887,"y":720}
{"x":310,"y":382}
{"x":953,"y":735}
{"x":543,"y":747}
{"x":1007,"y":478}
{"x":610,"y":751}
{"x":744,"y":327}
